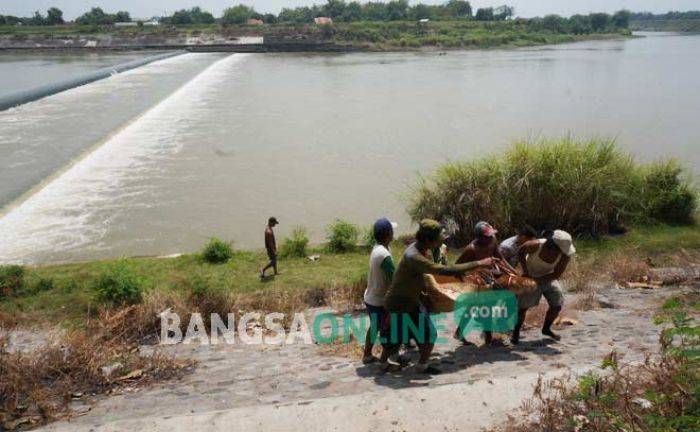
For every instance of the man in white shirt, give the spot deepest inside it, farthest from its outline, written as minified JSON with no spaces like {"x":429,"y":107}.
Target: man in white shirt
{"x":381,"y":273}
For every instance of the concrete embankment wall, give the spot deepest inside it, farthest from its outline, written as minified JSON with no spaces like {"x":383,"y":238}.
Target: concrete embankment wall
{"x":201,"y":43}
{"x":23,"y":97}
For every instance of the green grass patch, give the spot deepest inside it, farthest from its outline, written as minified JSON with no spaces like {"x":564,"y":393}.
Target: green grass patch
{"x":72,"y":294}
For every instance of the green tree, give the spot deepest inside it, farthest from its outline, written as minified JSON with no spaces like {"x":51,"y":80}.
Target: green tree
{"x":555,"y":23}
{"x":621,"y":19}
{"x":502,"y":13}
{"x":599,"y":21}
{"x":38,"y":19}
{"x":484,"y":14}
{"x":580,"y":24}
{"x":54,"y":16}
{"x":419,"y":11}
{"x":95,"y":16}
{"x":374,"y":11}
{"x":121,"y":16}
{"x":353,"y":12}
{"x":396,"y":10}
{"x":181,"y":17}
{"x":237,"y":14}
{"x":333,"y":8}
{"x":458,"y":9}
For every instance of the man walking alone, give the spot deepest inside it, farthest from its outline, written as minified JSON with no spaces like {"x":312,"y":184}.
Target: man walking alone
{"x":270,"y":247}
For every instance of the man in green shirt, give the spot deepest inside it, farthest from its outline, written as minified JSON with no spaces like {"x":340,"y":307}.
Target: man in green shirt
{"x":403,"y":299}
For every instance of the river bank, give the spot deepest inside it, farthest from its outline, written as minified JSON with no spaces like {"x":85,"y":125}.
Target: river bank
{"x":356,"y":36}
{"x":240,"y":382}
{"x":64,"y":294}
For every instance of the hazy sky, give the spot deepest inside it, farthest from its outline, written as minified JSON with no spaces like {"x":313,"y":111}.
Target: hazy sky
{"x":147,"y":8}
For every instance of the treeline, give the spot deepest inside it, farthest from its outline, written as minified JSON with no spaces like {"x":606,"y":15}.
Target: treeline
{"x":54,"y":16}
{"x":395,"y":10}
{"x":673,"y":15}
{"x":582,"y":24}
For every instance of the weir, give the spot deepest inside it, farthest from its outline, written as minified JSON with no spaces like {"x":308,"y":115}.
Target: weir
{"x":22,"y":97}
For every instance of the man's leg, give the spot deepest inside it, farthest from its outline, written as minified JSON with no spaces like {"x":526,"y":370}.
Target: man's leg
{"x":555,"y":299}
{"x":264,"y":269}
{"x":273,"y":261}
{"x":427,"y":334}
{"x":515,"y":336}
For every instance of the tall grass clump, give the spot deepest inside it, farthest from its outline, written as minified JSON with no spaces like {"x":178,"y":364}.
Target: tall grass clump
{"x":11,"y":280}
{"x":670,"y":197}
{"x":587,"y":187}
{"x":119,"y":285}
{"x":342,"y":236}
{"x":217,"y":251}
{"x":295,"y":246}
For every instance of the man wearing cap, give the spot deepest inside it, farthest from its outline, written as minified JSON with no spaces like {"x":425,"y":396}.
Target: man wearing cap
{"x":544,"y":260}
{"x":270,"y":247}
{"x":484,"y":245}
{"x":409,"y":318}
{"x":381,"y":273}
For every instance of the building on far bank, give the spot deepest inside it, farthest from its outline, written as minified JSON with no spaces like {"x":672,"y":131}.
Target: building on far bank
{"x":323,"y":20}
{"x":253,"y":21}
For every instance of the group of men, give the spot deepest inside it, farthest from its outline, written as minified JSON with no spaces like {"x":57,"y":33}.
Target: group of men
{"x":394,"y":296}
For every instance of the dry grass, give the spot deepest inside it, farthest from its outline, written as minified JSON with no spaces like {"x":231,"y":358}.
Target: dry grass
{"x":658,"y":395}
{"x":37,"y":386}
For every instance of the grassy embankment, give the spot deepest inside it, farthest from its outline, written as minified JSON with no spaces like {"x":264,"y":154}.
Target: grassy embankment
{"x":112,"y":305}
{"x":589,"y":188}
{"x":393,"y":35}
{"x":676,"y":25}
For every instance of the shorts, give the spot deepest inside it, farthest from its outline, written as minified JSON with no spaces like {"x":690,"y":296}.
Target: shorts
{"x":403,"y":326}
{"x":550,"y":290}
{"x":273,"y":258}
{"x":377,"y":317}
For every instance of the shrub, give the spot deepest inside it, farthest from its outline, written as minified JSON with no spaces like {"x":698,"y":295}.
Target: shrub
{"x":585,"y":187}
{"x":342,"y":236}
{"x":368,"y":237}
{"x":296,"y":244}
{"x":217,"y":251}
{"x":669,"y":198}
{"x":119,"y":284}
{"x":11,"y":279}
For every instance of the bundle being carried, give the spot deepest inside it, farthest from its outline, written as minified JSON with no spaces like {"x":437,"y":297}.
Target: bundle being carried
{"x":442,"y":291}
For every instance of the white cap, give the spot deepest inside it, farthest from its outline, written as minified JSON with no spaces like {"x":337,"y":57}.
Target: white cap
{"x":564,"y":241}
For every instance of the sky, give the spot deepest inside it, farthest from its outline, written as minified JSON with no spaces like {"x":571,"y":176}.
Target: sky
{"x":148,"y":8}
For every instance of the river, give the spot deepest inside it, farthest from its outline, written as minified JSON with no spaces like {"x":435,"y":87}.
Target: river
{"x":158,"y":159}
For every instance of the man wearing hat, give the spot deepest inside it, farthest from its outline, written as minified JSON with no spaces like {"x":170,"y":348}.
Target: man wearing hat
{"x":484,"y":245}
{"x":270,"y":247}
{"x":544,"y":260}
{"x":409,"y":318}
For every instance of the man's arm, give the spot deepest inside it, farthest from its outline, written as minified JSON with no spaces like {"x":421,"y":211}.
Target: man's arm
{"x":502,"y":261}
{"x":468,"y":255}
{"x":427,"y":266}
{"x":388,"y":268}
{"x":525,"y":249}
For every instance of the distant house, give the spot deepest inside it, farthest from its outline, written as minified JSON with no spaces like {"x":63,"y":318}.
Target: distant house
{"x":323,"y":20}
{"x":254,"y":21}
{"x":126,"y":24}
{"x":424,"y":20}
{"x":151,"y":23}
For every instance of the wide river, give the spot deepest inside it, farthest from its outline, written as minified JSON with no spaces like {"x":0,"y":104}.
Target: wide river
{"x":156,"y":160}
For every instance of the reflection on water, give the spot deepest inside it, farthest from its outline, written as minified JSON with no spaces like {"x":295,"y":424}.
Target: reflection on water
{"x":308,"y":138}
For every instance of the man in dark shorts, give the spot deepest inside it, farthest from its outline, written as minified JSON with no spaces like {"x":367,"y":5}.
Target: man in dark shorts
{"x":270,"y":247}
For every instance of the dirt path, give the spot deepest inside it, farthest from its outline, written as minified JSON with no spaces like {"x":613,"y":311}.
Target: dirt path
{"x":296,"y":387}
